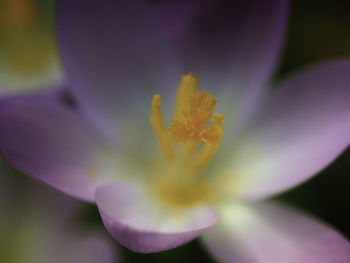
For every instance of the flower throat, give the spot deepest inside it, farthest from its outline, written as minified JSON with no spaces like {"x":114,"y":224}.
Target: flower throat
{"x":192,"y":111}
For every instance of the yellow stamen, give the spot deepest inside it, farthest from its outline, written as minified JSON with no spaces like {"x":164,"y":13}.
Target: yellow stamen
{"x":186,"y":89}
{"x":156,"y":120}
{"x":179,"y":183}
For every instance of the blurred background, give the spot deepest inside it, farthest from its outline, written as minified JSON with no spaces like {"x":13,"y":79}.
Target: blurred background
{"x":28,"y":56}
{"x":318,"y":30}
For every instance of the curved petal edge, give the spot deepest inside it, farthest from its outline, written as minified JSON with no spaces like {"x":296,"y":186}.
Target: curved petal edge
{"x":133,"y":218}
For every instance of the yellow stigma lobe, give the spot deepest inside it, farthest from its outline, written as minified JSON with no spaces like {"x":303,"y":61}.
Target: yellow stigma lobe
{"x":194,"y":127}
{"x":213,"y":134}
{"x":156,"y":120}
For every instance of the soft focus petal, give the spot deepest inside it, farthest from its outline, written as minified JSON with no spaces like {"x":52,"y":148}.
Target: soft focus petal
{"x":135,"y":220}
{"x":265,"y":233}
{"x":232,"y":47}
{"x":302,"y":127}
{"x":117,"y":54}
{"x":114,"y":53}
{"x":45,"y":138}
{"x":38,"y":225}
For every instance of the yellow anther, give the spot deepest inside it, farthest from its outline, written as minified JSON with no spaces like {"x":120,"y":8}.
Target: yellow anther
{"x":156,"y":120}
{"x":186,"y":89}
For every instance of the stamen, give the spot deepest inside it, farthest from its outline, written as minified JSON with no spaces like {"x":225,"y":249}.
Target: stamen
{"x":182,"y":184}
{"x":156,"y":120}
{"x":186,"y":89}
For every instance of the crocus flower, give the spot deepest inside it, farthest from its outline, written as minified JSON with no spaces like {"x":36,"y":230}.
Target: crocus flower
{"x":162,"y":175}
{"x":36,"y":226}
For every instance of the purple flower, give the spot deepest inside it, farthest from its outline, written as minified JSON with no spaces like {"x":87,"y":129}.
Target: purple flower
{"x":163,"y":175}
{"x":36,"y":226}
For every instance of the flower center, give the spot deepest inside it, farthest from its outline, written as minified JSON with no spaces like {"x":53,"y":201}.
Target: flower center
{"x":188,"y":145}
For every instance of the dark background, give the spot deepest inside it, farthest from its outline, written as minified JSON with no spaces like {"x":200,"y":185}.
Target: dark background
{"x":317,"y":31}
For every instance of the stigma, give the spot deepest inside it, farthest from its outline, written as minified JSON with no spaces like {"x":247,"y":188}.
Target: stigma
{"x":189,"y":129}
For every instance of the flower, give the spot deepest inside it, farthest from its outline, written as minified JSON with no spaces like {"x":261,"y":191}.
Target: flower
{"x":37,"y":226}
{"x":123,"y":61}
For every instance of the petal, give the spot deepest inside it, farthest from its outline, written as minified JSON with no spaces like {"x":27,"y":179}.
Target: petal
{"x":267,"y":232}
{"x":45,"y":138}
{"x":119,"y":53}
{"x":134,"y":219}
{"x":232,"y":47}
{"x":301,"y":128}
{"x":114,"y":54}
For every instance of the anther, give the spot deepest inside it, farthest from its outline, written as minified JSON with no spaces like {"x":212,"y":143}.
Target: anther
{"x":156,"y":120}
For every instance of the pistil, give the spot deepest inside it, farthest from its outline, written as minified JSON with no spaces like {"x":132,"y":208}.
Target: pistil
{"x":189,"y":128}
{"x":188,"y":145}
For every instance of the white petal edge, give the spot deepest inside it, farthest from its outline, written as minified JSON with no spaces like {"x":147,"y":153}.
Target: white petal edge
{"x":136,"y":220}
{"x":269,"y":232}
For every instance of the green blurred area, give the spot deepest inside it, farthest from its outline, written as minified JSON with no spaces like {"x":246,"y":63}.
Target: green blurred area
{"x":318,"y":30}
{"x":28,"y":53}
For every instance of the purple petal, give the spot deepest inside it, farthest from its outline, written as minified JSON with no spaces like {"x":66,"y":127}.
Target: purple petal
{"x":114,"y":54}
{"x":45,"y":138}
{"x":266,"y":233}
{"x":119,"y":53}
{"x":232,"y":47}
{"x":134,"y":219}
{"x":301,"y":128}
